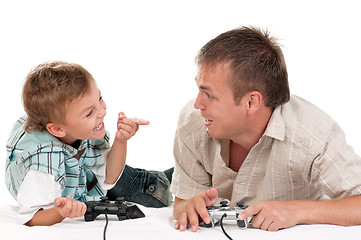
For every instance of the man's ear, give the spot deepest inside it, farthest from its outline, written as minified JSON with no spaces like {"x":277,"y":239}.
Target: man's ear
{"x":255,"y":101}
{"x":55,"y":130}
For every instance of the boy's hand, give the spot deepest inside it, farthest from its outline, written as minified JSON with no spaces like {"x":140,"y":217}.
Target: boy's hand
{"x":70,"y":208}
{"x":127,"y":127}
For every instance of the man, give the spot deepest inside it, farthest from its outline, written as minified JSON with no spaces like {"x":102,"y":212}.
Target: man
{"x":248,"y":139}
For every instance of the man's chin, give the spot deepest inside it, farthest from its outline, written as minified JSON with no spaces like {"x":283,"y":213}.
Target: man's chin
{"x":214,"y":135}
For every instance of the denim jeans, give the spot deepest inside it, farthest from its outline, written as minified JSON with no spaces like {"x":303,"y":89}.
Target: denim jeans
{"x":148,"y":188}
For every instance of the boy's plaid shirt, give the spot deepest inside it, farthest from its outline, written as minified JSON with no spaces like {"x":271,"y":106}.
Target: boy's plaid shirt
{"x":42,"y":151}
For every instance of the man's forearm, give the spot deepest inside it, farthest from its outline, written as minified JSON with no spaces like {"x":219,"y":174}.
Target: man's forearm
{"x":344,"y":212}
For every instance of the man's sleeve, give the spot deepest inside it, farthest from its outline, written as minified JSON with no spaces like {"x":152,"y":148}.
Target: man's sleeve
{"x":190,"y":176}
{"x":336,"y":171}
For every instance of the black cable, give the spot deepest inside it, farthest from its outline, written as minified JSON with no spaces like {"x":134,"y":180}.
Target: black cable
{"x":224,"y":231}
{"x":106,"y":224}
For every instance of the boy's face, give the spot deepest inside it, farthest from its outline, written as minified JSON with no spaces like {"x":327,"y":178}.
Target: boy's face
{"x":84,"y":117}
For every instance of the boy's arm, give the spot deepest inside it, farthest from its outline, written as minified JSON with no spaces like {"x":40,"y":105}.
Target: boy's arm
{"x":115,"y":161}
{"x":127,"y":127}
{"x":36,"y":206}
{"x":64,"y":207}
{"x":45,"y":217}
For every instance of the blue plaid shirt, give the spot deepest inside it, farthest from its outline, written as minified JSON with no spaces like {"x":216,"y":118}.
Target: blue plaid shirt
{"x":42,"y":151}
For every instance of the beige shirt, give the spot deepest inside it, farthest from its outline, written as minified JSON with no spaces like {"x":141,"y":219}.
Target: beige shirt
{"x":302,"y":154}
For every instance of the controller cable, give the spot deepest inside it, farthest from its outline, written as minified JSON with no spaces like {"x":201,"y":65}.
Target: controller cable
{"x":224,"y":231}
{"x":106,"y":223}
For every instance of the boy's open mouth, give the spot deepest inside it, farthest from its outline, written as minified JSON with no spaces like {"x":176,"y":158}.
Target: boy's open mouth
{"x":98,"y":127}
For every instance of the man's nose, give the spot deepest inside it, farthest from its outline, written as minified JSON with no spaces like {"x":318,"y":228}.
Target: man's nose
{"x":198,"y":103}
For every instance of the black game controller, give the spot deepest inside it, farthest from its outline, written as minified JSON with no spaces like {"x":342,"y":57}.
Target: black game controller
{"x":218,"y":213}
{"x":124,"y":210}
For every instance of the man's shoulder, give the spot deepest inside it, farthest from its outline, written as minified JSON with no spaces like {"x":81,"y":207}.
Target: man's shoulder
{"x":303,"y":115}
{"x":304,"y":110}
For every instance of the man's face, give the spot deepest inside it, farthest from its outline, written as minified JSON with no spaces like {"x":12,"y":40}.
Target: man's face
{"x":223,"y":118}
{"x":84,"y":117}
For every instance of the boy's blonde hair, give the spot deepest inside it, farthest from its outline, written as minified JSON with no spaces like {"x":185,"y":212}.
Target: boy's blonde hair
{"x":47,"y":90}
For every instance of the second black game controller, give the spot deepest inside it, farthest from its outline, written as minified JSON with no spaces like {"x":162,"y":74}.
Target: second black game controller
{"x":124,"y":210}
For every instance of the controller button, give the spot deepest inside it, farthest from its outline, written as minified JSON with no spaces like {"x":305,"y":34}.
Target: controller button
{"x":224,"y":203}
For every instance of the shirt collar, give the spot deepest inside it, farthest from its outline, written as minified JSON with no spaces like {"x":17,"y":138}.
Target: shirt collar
{"x":276,"y":125}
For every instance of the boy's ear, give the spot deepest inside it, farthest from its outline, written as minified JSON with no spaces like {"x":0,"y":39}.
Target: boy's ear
{"x":55,"y":130}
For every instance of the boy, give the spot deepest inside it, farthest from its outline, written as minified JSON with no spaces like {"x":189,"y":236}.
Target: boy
{"x":59,"y":153}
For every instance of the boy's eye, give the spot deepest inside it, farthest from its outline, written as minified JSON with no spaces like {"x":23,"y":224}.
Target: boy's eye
{"x":89,"y":114}
{"x":101,"y":98}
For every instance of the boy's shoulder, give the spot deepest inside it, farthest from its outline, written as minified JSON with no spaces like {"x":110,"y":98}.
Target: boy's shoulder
{"x":28,"y":143}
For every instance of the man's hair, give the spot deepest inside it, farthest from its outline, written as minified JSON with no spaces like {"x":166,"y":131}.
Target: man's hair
{"x":47,"y":90}
{"x":256,"y":62}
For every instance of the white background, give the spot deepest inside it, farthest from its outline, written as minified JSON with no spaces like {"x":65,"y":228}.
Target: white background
{"x":141,"y":53}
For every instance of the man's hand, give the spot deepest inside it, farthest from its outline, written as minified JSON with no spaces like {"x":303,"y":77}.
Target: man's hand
{"x":67,"y":207}
{"x":195,"y":208}
{"x":127,"y":127}
{"x":272,"y":215}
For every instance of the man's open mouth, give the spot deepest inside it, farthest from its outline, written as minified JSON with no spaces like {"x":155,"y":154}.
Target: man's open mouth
{"x":208,"y":122}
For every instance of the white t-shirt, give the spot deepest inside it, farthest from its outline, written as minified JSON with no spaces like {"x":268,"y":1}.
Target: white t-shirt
{"x":39,"y":190}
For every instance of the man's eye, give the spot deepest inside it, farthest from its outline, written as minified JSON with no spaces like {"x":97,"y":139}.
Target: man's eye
{"x":207,"y":94}
{"x":89,"y":114}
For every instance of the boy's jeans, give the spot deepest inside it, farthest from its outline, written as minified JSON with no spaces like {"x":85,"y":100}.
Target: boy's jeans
{"x":148,"y":188}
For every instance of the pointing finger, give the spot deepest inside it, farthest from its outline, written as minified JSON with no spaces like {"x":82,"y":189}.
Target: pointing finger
{"x":140,"y":121}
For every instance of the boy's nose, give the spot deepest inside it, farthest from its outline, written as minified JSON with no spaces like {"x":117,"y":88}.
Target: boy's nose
{"x":102,"y":111}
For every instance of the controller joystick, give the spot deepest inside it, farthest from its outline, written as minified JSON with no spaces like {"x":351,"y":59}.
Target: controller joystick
{"x":124,"y":210}
{"x":228,"y":213}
